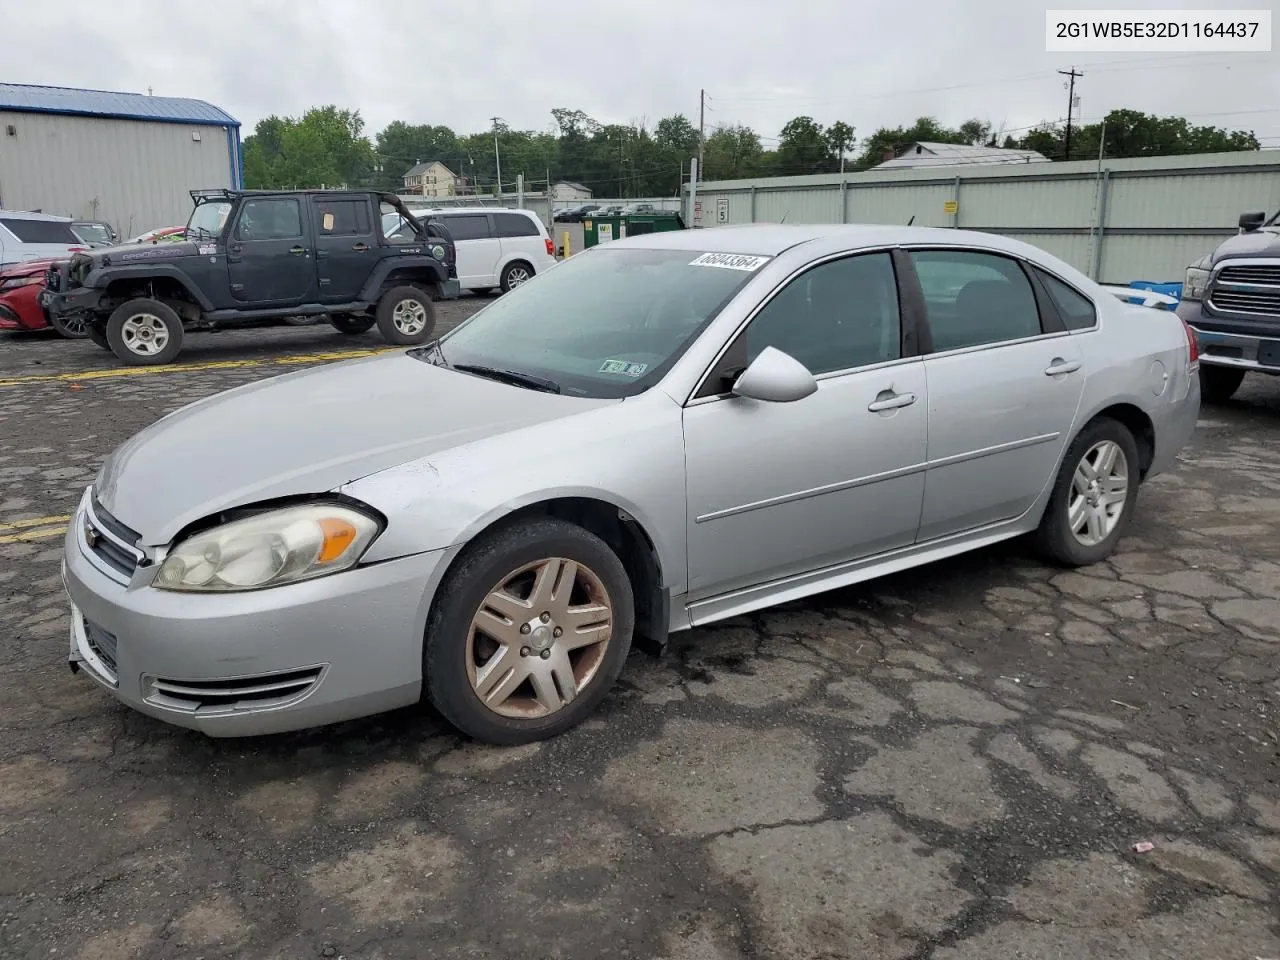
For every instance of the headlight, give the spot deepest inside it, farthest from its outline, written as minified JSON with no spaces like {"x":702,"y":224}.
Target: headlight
{"x":1194,"y":283}
{"x":16,"y":282}
{"x":269,"y":550}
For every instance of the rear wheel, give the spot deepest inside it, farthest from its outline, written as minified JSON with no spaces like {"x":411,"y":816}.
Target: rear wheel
{"x":145,"y":332}
{"x":530,"y":631}
{"x":1093,"y":495}
{"x":1219,"y":384}
{"x":406,"y":316}
{"x":515,"y":274}
{"x":351,"y":325}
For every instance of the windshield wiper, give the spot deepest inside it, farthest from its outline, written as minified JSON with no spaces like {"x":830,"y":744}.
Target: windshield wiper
{"x":510,"y":376}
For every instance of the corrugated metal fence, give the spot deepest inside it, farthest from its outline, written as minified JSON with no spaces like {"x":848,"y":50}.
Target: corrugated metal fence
{"x":1121,"y":220}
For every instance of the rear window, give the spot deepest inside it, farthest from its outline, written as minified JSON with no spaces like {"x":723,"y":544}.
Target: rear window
{"x":472,"y":226}
{"x":514,"y":225}
{"x":341,"y":217}
{"x":41,"y":231}
{"x":1075,"y":308}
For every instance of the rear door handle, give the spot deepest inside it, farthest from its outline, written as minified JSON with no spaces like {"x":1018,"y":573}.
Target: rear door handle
{"x":888,"y":400}
{"x":360,"y":247}
{"x":1059,"y":367}
{"x":297,"y":251}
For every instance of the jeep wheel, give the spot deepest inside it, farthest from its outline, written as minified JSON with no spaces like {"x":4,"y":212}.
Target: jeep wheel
{"x":145,"y":332}
{"x":351,"y":325}
{"x":73,"y":328}
{"x":406,"y":316}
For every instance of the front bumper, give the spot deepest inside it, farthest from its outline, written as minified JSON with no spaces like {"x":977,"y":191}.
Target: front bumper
{"x":244,"y":664}
{"x":71,"y":302}
{"x":1243,"y":351}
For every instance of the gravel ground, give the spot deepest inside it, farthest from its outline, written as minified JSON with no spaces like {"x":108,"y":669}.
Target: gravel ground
{"x":950,"y":763}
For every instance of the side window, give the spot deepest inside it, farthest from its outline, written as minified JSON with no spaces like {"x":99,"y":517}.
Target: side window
{"x":395,"y":229}
{"x":841,"y":314}
{"x":1077,"y":310}
{"x":341,"y":217}
{"x":274,"y":219}
{"x":514,"y":225}
{"x":975,"y":298}
{"x":469,"y":227}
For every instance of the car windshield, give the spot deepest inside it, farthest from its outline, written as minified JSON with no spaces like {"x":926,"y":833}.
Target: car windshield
{"x":605,"y":323}
{"x":92,"y":232}
{"x":207,"y":220}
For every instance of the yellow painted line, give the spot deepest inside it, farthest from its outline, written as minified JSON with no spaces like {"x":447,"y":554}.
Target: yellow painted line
{"x":293,"y":359}
{"x":39,"y":533}
{"x":34,"y":522}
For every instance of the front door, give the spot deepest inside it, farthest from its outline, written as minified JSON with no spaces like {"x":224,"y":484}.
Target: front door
{"x":346,"y":248}
{"x":776,"y":489}
{"x":269,"y":260}
{"x":478,"y":250}
{"x":1004,"y":386}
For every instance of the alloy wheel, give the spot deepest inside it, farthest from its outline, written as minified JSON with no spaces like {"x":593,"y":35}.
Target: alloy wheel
{"x":1099,"y":492}
{"x":539,"y":638}
{"x":144,"y":334}
{"x":409,"y":317}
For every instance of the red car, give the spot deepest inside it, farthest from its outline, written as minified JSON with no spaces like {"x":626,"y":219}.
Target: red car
{"x":20,"y":286}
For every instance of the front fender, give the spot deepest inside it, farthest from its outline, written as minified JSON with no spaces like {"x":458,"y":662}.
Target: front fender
{"x":101,"y":278}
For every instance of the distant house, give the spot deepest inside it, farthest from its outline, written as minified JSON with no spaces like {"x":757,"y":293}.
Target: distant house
{"x":431,"y":178}
{"x":568,"y":190}
{"x":953,"y":154}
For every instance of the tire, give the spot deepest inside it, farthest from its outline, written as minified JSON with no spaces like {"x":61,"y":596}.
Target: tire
{"x":514,"y":274}
{"x":406,"y":316}
{"x":454,"y":654}
{"x":351,"y":325}
{"x":76,"y":328}
{"x":1057,"y":539}
{"x":1219,"y":384}
{"x":481,"y":291}
{"x":127,"y":332}
{"x":98,"y":335}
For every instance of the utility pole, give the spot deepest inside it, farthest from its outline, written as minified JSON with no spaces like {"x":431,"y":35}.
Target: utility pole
{"x":1071,"y":100}
{"x":702,"y":126}
{"x":497,"y":159}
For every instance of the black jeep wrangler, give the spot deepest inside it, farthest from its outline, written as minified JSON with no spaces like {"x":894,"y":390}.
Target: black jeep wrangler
{"x":263,"y":257}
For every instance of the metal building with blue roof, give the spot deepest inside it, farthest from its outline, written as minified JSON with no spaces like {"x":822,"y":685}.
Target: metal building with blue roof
{"x":126,"y":158}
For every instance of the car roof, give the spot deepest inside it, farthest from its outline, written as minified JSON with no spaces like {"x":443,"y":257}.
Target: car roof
{"x":457,"y":211}
{"x":771,"y":239}
{"x":28,"y":215}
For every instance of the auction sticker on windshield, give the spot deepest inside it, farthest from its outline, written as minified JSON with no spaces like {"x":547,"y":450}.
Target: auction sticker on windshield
{"x":624,"y":368}
{"x":729,"y":261}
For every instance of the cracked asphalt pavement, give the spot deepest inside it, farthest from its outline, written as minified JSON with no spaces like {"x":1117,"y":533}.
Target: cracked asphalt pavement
{"x":950,"y":763}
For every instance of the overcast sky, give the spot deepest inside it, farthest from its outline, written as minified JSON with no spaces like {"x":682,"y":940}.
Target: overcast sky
{"x":870,"y":63}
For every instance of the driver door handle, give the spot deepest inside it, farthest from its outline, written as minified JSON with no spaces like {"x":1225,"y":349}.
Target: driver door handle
{"x":888,"y":400}
{"x":297,"y":251}
{"x":1059,"y":367}
{"x":360,"y":247}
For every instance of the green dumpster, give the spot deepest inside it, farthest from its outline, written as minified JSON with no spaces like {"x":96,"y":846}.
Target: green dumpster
{"x":598,"y":230}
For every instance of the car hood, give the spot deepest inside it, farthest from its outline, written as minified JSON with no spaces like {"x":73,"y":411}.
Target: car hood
{"x":1260,"y":243}
{"x":27,"y":268}
{"x":141,"y":252}
{"x":307,"y":432}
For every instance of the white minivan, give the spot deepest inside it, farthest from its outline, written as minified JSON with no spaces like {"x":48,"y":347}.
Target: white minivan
{"x":36,"y":236}
{"x":496,"y":247}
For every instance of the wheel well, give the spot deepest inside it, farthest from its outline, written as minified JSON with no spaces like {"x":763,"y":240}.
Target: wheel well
{"x":625,"y":537}
{"x":165,"y":289}
{"x":1138,"y":424}
{"x":425,"y":280}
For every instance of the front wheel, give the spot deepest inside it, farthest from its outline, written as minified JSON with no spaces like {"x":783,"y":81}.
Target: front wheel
{"x":351,"y":325}
{"x":1093,"y":496}
{"x":406,"y":316}
{"x":97,"y":335}
{"x":73,"y":328}
{"x":529,"y":632}
{"x":1219,"y":384}
{"x":145,"y":332}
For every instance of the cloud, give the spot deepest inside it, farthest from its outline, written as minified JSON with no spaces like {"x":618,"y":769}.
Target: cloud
{"x":871,"y":63}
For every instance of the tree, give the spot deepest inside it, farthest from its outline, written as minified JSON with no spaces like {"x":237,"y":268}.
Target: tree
{"x":733,"y":153}
{"x":401,"y":145}
{"x":887,"y":142}
{"x":802,"y":147}
{"x":1131,"y":133}
{"x":839,"y":141}
{"x":326,"y":147}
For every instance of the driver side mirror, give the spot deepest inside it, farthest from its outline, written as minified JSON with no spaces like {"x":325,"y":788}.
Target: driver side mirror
{"x":775,"y":377}
{"x":1250,"y":222}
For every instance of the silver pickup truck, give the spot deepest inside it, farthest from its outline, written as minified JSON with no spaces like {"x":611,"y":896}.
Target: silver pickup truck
{"x":1231,"y":298}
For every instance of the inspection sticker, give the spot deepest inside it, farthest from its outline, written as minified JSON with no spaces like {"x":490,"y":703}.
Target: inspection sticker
{"x":624,"y":368}
{"x":730,"y":261}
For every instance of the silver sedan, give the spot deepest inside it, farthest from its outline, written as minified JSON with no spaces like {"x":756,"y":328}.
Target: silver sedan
{"x":659,"y":433}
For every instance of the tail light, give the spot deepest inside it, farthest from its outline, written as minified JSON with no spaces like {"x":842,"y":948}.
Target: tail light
{"x":551,"y":247}
{"x":1193,"y":346}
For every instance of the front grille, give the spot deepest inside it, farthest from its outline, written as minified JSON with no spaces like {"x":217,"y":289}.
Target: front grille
{"x":1259,"y":273}
{"x":103,"y":643}
{"x":256,"y":692}
{"x":1245,"y":301}
{"x":110,"y":540}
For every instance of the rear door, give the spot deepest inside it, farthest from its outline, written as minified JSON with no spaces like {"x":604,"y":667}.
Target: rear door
{"x":270,"y":262}
{"x":523,"y":238}
{"x":479,"y":251}
{"x":1004,"y":379}
{"x":346,"y":247}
